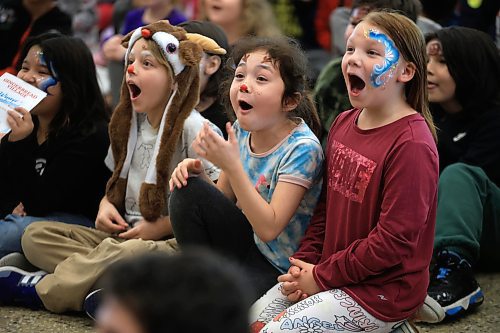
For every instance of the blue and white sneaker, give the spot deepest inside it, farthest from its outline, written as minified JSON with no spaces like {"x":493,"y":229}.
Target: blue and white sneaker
{"x":92,"y":302}
{"x":17,"y":287}
{"x":453,"y":284}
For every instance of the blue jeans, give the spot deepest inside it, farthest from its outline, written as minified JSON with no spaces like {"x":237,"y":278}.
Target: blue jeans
{"x":12,"y":228}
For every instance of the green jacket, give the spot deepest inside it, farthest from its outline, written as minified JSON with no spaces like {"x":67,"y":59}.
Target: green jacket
{"x":330,"y":95}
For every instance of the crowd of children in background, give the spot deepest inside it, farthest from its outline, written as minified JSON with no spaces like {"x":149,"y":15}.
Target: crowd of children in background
{"x":341,"y":156}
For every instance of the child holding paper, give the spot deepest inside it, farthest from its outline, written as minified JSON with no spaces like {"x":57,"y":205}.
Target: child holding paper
{"x":52,"y":161}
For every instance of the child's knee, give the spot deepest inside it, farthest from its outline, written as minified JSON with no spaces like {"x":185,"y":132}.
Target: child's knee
{"x":32,"y":235}
{"x":187,"y":194}
{"x":461,"y":171}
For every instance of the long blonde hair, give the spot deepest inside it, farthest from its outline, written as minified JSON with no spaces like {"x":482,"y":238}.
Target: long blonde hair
{"x":257,"y":19}
{"x":411,"y":44}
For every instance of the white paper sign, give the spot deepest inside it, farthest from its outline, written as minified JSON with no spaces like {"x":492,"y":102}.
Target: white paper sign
{"x":15,"y":92}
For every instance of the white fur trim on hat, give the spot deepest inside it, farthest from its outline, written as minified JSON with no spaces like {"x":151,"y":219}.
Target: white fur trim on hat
{"x":168,"y":44}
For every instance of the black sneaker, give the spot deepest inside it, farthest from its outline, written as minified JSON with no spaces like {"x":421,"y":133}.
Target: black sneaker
{"x":92,"y":302}
{"x":452,"y":284}
{"x":17,"y":287}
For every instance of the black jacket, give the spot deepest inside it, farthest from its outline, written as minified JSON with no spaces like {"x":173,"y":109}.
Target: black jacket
{"x":471,"y":140}
{"x":65,"y":174}
{"x":15,"y":19}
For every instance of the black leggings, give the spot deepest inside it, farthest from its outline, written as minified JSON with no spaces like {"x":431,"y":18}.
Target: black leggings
{"x":201,"y":215}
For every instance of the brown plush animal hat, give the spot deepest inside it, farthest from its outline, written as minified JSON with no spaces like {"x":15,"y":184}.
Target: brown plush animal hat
{"x":183,"y":56}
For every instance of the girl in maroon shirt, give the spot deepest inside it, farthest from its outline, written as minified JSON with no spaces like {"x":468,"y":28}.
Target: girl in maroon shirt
{"x":363,"y":263}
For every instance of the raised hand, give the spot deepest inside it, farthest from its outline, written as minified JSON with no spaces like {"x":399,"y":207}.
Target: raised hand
{"x":21,"y":124}
{"x":214,"y":148}
{"x":113,"y":49}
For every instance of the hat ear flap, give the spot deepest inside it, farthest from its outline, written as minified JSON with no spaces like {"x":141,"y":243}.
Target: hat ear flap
{"x":190,"y":53}
{"x":183,"y":103}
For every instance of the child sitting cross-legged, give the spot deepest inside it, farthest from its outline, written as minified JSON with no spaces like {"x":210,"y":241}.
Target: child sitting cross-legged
{"x":151,"y":131}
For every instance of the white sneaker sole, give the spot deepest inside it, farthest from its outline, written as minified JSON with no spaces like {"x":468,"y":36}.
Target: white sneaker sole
{"x":473,"y":299}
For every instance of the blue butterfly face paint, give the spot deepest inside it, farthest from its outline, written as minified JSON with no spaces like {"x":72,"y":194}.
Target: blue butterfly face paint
{"x":50,"y":81}
{"x":382,"y":73}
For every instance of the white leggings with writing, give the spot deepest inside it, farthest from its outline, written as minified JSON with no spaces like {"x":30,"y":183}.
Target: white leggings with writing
{"x":328,"y":311}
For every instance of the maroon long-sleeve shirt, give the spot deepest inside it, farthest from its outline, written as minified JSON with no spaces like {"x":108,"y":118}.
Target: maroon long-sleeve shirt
{"x":373,"y":230}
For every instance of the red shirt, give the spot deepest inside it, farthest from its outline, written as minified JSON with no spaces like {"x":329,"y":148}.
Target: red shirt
{"x":372,"y":232}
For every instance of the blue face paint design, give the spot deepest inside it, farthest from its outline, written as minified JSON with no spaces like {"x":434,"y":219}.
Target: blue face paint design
{"x":390,"y":61}
{"x":50,"y":81}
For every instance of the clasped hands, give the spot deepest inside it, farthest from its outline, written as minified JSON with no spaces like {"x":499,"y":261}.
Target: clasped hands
{"x":298,"y":283}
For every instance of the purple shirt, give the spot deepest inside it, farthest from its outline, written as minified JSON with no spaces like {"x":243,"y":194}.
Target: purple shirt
{"x":133,"y":20}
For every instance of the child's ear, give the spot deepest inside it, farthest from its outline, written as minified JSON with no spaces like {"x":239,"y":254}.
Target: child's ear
{"x":290,"y":103}
{"x":407,"y":73}
{"x":212,"y":64}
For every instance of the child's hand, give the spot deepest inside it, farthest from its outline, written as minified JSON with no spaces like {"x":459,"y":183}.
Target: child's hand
{"x":109,"y":219}
{"x":214,"y":148}
{"x":181,"y":172}
{"x":306,"y":282}
{"x":20,"y":123}
{"x":113,"y":49}
{"x":19,"y":210}
{"x":148,"y":230}
{"x":290,"y":285}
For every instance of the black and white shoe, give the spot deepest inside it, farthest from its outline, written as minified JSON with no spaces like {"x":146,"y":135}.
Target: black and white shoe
{"x":92,"y":302}
{"x":453,"y":285}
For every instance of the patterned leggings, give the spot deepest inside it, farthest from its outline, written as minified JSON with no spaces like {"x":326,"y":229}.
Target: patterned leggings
{"x":328,"y":311}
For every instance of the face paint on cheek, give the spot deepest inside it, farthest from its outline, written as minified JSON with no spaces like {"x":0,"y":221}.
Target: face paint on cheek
{"x":45,"y":83}
{"x":382,"y":73}
{"x":434,"y":48}
{"x":40,"y":59}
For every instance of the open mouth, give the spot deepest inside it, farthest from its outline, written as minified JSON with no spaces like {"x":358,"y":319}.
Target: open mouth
{"x":135,"y":91}
{"x":356,"y":83}
{"x":245,"y":106}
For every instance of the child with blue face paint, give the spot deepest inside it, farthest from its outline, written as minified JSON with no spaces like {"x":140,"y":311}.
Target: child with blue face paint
{"x":363,"y":263}
{"x":52,"y":162}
